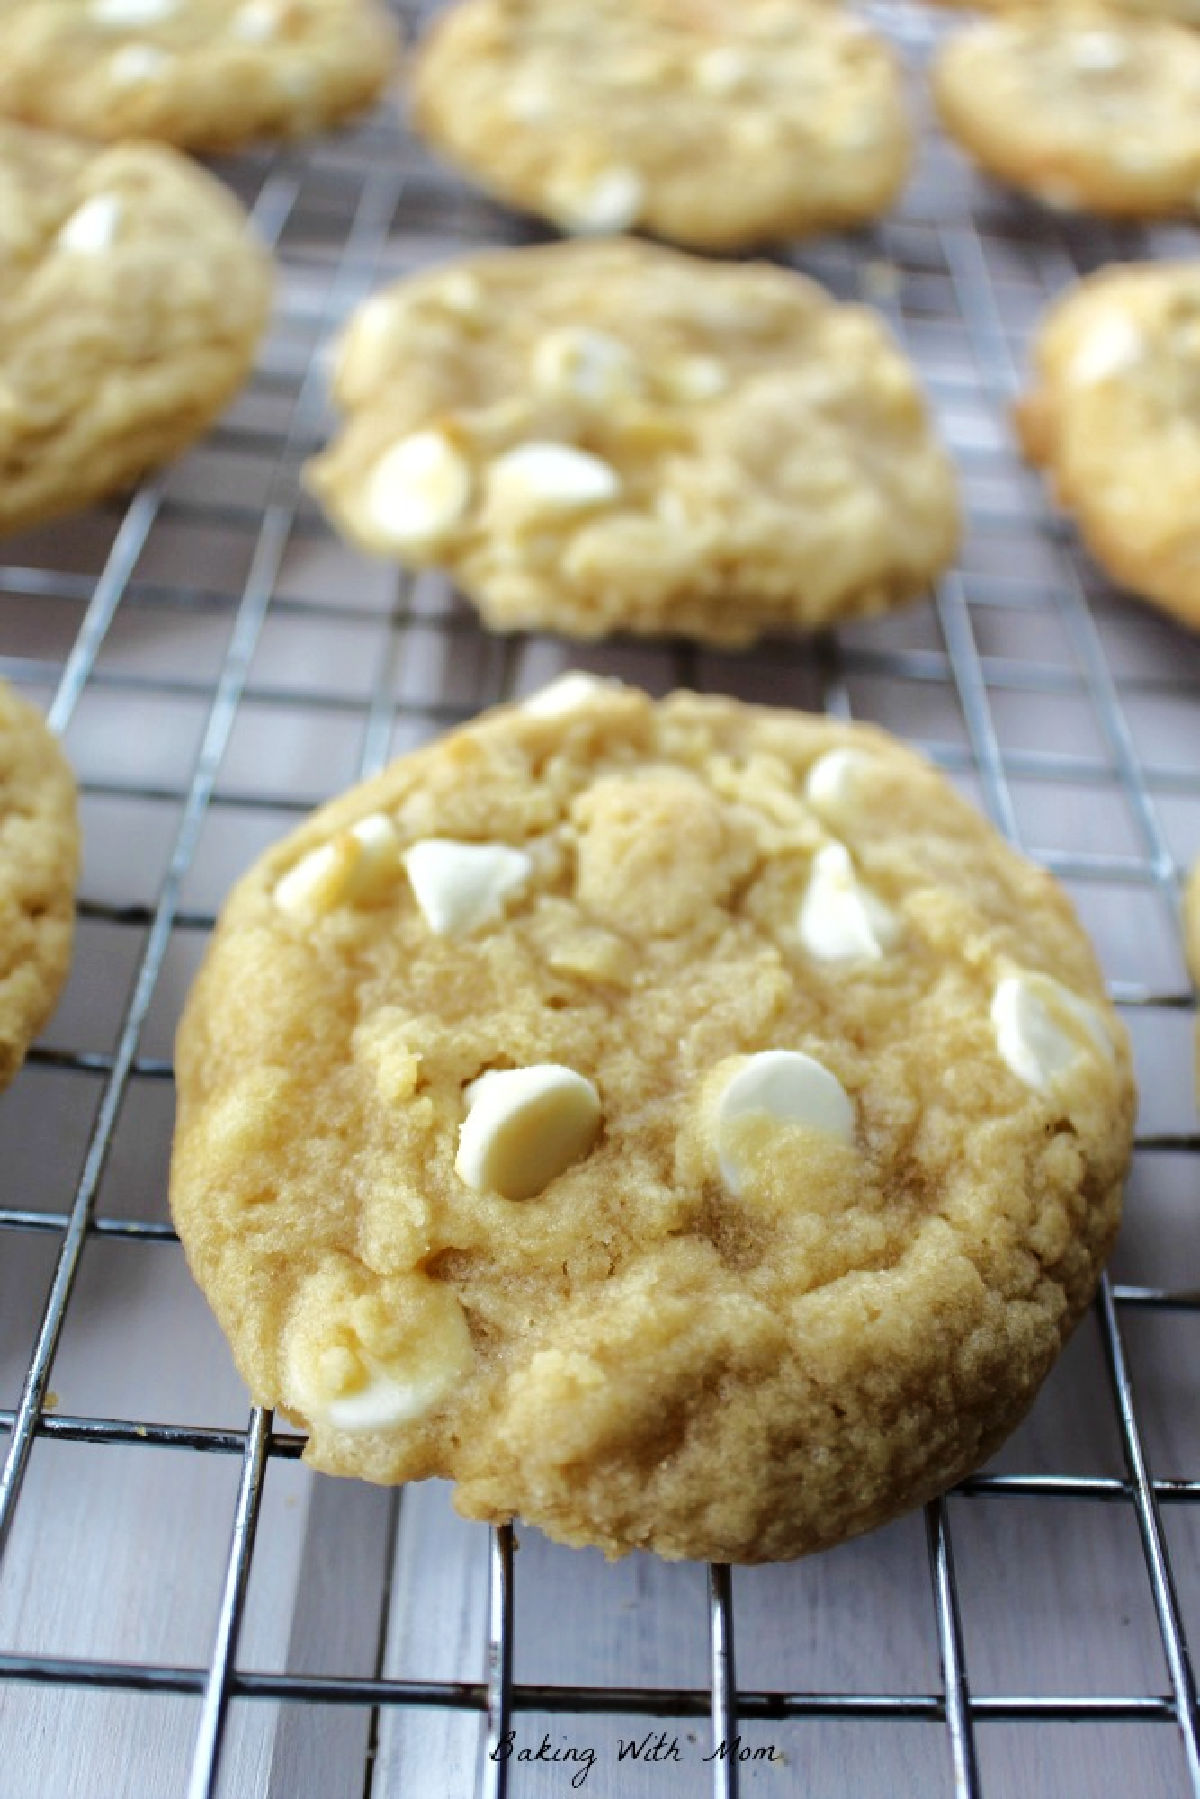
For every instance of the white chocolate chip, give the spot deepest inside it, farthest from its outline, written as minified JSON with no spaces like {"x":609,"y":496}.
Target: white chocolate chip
{"x":721,"y":70}
{"x":1041,"y":1028}
{"x":373,"y":320}
{"x":92,"y":227}
{"x":585,"y":364}
{"x":551,"y":477}
{"x":378,"y":843}
{"x":1097,"y":52}
{"x":524,"y":1127}
{"x":312,"y":886}
{"x":119,"y":13}
{"x":1113,"y":344}
{"x":611,"y":201}
{"x":840,"y":919}
{"x":256,"y":21}
{"x":460,"y":886}
{"x":835,"y":781}
{"x":347,"y":1387}
{"x":695,"y":378}
{"x":529,"y":101}
{"x":786,"y":1087}
{"x":135,"y":63}
{"x":351,"y":866}
{"x":566,"y":694}
{"x":459,"y":292}
{"x":362,"y":355}
{"x":418,"y":490}
{"x":381,"y":1401}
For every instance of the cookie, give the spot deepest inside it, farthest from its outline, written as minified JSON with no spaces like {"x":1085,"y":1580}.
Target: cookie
{"x":205,"y":74}
{"x":607,"y":435}
{"x":1113,"y":415}
{"x":1080,"y":108}
{"x":39,"y":864}
{"x":686,"y":1126}
{"x":714,"y":123}
{"x":132,"y":300}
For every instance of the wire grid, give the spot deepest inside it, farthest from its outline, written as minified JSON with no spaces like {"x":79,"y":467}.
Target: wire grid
{"x":961,"y":271}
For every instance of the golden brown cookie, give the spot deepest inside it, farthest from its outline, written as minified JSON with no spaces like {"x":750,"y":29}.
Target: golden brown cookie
{"x":1113,"y":416}
{"x":39,"y":864}
{"x":714,"y":123}
{"x":685,"y":1125}
{"x":608,"y":436}
{"x":206,"y":74}
{"x":1081,"y":107}
{"x":132,"y":298}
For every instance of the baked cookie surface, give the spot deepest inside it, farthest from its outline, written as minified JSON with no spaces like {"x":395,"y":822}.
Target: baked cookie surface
{"x":132,"y":298}
{"x":204,"y":74}
{"x":1081,"y":107}
{"x":685,"y":1125}
{"x":1113,"y":415}
{"x":39,"y":863}
{"x":714,"y":123}
{"x":609,"y":436}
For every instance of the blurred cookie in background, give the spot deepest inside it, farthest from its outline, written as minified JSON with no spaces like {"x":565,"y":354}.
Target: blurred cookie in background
{"x":712,"y":123}
{"x":609,"y":436}
{"x":1082,"y":108}
{"x":132,"y":300}
{"x":1113,"y":416}
{"x":204,"y":74}
{"x":39,"y":865}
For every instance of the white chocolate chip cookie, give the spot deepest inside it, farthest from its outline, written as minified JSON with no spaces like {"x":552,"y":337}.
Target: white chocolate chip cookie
{"x":132,"y":299}
{"x":205,"y":74}
{"x":579,"y":1157}
{"x":1080,"y":107}
{"x":607,"y":436}
{"x":39,"y":860}
{"x":714,"y":123}
{"x":1113,"y":416}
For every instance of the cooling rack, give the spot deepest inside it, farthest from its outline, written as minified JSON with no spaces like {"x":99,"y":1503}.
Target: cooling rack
{"x":184,"y":1608}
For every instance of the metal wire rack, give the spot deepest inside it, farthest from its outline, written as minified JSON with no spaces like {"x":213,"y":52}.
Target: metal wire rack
{"x":183,"y":1608}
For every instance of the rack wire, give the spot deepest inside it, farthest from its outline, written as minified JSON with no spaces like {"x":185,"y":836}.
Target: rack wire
{"x":183,"y":1608}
